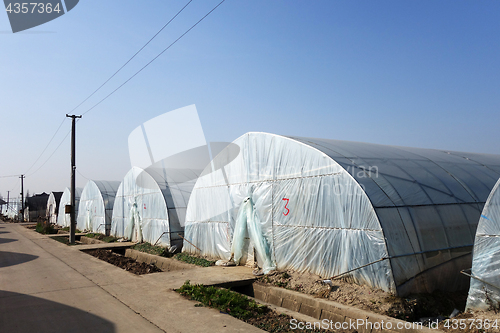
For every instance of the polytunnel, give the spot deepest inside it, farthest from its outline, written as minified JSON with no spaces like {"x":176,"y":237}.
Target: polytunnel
{"x":395,"y":218}
{"x":150,"y":207}
{"x":96,"y":206}
{"x":53,"y":206}
{"x":484,"y":292}
{"x":63,"y":219}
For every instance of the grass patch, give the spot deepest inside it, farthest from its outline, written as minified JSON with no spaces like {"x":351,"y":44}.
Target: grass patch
{"x":225,"y":300}
{"x":45,"y":228}
{"x":62,"y":239}
{"x":67,"y":229}
{"x":241,"y":307}
{"x":152,"y":249}
{"x":194,"y":260}
{"x":107,"y":239}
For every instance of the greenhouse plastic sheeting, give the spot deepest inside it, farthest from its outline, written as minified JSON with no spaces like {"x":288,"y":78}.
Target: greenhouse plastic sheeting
{"x":53,"y":206}
{"x":484,"y":290}
{"x":329,"y":206}
{"x":248,"y":226}
{"x":63,"y":219}
{"x":96,"y":206}
{"x":150,"y":209}
{"x":12,"y":209}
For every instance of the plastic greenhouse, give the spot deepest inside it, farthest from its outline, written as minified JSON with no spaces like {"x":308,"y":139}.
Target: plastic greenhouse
{"x":53,"y":206}
{"x":96,"y":206}
{"x":63,"y":219}
{"x":12,"y":209}
{"x":485,"y":285}
{"x":395,"y":218}
{"x":150,"y":208}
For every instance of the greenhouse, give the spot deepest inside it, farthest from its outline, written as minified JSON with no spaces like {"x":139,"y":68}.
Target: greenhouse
{"x":63,"y":219}
{"x":96,"y":206}
{"x":53,"y":206}
{"x":11,"y":210}
{"x":484,"y":290}
{"x":395,"y":218}
{"x":150,"y":207}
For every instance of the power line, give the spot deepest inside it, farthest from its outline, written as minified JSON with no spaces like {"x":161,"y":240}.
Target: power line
{"x":140,"y":70}
{"x":50,"y":155}
{"x":125,"y":64}
{"x":47,"y":146}
{"x":102,"y":85}
{"x":82,"y":174}
{"x":120,"y":86}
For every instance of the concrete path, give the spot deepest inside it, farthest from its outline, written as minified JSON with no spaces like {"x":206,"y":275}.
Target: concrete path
{"x":46,"y":286}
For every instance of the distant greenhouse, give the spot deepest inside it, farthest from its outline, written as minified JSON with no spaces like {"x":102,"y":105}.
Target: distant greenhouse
{"x":395,"y":218}
{"x":96,"y":206}
{"x":484,"y":290}
{"x":53,"y":206}
{"x":151,"y":208}
{"x":63,"y":219}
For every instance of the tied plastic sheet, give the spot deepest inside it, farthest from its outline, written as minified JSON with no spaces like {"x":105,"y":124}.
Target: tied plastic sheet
{"x":486,"y":257}
{"x":248,"y":224}
{"x":134,"y":229}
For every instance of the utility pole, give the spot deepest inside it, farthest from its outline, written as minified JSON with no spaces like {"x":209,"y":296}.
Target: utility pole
{"x":22,"y":199}
{"x":8,"y":200}
{"x":72,"y":226}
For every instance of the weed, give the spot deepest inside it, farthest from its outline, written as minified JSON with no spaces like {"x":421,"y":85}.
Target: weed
{"x":233,"y":303}
{"x":67,"y":229}
{"x":107,"y":239}
{"x":45,"y":228}
{"x":152,"y":249}
{"x":194,"y":260}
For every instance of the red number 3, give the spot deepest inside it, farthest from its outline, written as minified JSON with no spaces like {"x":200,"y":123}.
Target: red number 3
{"x":287,"y":210}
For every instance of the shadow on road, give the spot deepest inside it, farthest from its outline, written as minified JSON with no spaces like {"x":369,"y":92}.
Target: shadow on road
{"x":13,"y":258}
{"x":25,"y":313}
{"x":7,"y":240}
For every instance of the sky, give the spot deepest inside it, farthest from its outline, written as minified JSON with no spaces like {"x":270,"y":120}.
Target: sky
{"x":408,"y":73}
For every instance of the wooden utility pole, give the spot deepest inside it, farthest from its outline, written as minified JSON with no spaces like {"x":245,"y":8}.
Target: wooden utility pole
{"x":72,"y":226}
{"x":21,"y":218}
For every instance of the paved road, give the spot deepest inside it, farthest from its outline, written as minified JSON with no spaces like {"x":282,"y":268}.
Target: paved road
{"x":46,"y":286}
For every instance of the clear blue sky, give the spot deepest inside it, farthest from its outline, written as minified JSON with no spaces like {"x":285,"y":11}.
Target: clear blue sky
{"x":410,"y":73}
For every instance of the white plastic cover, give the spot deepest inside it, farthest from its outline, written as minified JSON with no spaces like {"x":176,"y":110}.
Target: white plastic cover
{"x":329,"y":206}
{"x":96,"y":206}
{"x":248,"y":227}
{"x":12,"y":210}
{"x":63,"y":219}
{"x":486,"y":257}
{"x":142,"y":211}
{"x":53,"y":206}
{"x":313,"y":214}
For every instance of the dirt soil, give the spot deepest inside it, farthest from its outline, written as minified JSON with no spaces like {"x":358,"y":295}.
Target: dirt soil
{"x":412,"y":308}
{"x":274,"y":322}
{"x":126,"y":263}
